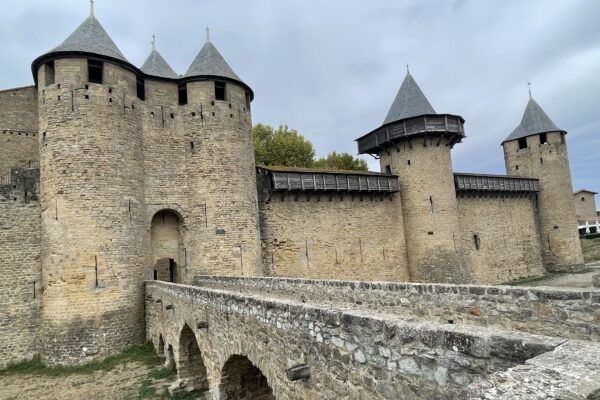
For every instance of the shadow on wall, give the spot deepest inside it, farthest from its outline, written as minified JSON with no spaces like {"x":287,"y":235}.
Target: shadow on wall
{"x":240,"y":379}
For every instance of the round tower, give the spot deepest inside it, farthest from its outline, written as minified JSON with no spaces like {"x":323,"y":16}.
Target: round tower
{"x":91,"y":197}
{"x":221,"y":168}
{"x":537,"y":148}
{"x":414,"y":143}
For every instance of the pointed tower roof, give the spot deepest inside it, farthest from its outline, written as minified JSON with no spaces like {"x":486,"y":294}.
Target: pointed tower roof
{"x":534,"y":121}
{"x":156,"y":65}
{"x":89,"y":37}
{"x":409,"y":102}
{"x":209,"y":62}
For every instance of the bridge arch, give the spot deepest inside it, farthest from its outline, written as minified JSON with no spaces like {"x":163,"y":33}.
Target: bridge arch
{"x":191,"y":371}
{"x":242,"y":380}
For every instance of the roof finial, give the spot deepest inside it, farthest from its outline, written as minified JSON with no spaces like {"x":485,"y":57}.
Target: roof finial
{"x":207,"y":34}
{"x":407,"y":70}
{"x":91,"y":8}
{"x":529,"y":86}
{"x":153,"y":42}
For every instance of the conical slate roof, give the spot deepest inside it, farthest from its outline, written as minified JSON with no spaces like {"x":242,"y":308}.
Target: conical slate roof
{"x":156,"y":65}
{"x":90,"y":37}
{"x":209,"y":62}
{"x":534,"y":121}
{"x":409,"y":102}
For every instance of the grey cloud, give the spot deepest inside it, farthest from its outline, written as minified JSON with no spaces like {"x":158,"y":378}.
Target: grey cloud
{"x":331,"y":68}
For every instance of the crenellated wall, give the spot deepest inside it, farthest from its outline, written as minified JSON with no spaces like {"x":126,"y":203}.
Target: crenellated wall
{"x":18,"y":128}
{"x":499,"y":236}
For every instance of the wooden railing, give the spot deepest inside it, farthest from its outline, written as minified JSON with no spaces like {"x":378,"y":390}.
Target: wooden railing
{"x":340,"y":181}
{"x":495,"y":183}
{"x":7,"y":178}
{"x":410,"y":127}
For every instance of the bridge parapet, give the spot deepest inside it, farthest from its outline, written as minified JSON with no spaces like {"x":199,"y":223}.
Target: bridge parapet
{"x":350,"y":352}
{"x":563,"y":312}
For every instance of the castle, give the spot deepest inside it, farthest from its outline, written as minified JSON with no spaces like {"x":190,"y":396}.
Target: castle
{"x":113,"y":175}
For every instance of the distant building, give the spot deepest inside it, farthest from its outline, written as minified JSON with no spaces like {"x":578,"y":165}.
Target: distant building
{"x":587,"y":214}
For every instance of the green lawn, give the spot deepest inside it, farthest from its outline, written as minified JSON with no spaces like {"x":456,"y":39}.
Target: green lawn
{"x":591,"y":249}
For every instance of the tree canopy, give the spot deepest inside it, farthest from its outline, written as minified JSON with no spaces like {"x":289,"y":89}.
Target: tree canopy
{"x":286,"y":147}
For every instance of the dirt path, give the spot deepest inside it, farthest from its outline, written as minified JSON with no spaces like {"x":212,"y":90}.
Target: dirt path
{"x":575,"y":280}
{"x":127,"y":381}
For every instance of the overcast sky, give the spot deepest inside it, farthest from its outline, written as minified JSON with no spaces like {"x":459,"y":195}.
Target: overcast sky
{"x":331,"y":68}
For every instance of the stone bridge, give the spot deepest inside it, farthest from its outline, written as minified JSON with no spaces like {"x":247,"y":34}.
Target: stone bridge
{"x":275,"y":338}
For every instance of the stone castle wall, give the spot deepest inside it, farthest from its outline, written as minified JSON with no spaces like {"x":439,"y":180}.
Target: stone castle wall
{"x":20,"y":281}
{"x":429,"y":209}
{"x":500,"y":237}
{"x":333,"y":236}
{"x":199,"y":164}
{"x":93,"y":214}
{"x":549,"y":162}
{"x":18,"y":128}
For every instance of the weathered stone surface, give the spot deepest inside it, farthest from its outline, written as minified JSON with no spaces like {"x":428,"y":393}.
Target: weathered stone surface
{"x":439,"y":361}
{"x":549,"y":162}
{"x":20,"y":287}
{"x":569,"y":313}
{"x":570,"y":372}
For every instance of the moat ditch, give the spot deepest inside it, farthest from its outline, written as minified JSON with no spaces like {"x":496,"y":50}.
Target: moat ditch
{"x":137,"y":373}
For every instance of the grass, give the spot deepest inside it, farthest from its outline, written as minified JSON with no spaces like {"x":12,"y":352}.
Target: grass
{"x":143,"y":353}
{"x":152,"y":386}
{"x":591,"y":249}
{"x":591,"y":253}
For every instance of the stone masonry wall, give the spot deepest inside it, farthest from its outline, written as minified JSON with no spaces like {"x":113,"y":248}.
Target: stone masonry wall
{"x":549,"y":162}
{"x":20,"y":288}
{"x":570,"y":313}
{"x":325,"y":236}
{"x":351,"y":354}
{"x":93,"y":215}
{"x":18,"y":128}
{"x":500,"y":237}
{"x":199,"y":163}
{"x":429,"y":209}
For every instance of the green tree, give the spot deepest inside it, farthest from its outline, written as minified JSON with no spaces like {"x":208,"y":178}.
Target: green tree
{"x":344,"y":161}
{"x":288,"y":148}
{"x":282,"y":146}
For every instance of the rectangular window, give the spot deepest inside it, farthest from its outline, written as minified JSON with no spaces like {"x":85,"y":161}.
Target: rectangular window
{"x":522,"y":143}
{"x":477,"y":241}
{"x":220,"y":90}
{"x":141,"y":88}
{"x":388,"y":169}
{"x":95,"y":71}
{"x":543,"y":138}
{"x":183,"y":100}
{"x":49,"y":72}
{"x":247,"y":101}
